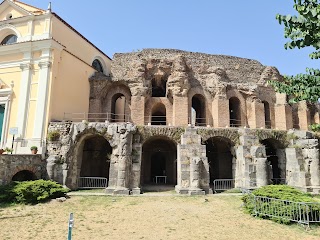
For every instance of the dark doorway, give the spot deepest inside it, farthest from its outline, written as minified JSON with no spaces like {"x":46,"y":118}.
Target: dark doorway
{"x":198,"y":110}
{"x":118,"y":108}
{"x":24,"y":175}
{"x":219,"y":158}
{"x":272,"y":146}
{"x":96,"y":157}
{"x":159,"y":115}
{"x":159,"y":87}
{"x":267,"y":114}
{"x":159,"y":165}
{"x":235,"y":112}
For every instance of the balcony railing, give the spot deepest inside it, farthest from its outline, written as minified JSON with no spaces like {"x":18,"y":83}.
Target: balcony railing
{"x":96,"y":117}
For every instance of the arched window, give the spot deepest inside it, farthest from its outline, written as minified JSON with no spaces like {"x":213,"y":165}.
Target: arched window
{"x":96,"y":64}
{"x":118,"y":108}
{"x":198,"y":110}
{"x":10,"y":39}
{"x":267,"y":114}
{"x":235,"y":112}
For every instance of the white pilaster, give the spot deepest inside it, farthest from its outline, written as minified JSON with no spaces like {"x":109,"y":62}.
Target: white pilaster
{"x":42,"y":99}
{"x":24,"y":98}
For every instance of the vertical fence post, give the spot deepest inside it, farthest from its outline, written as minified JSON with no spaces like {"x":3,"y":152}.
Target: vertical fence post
{"x":71,"y":222}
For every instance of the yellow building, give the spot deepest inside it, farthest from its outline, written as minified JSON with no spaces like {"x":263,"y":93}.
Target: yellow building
{"x":43,"y":60}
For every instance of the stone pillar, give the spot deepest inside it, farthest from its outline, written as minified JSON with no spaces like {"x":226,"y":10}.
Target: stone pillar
{"x":192,"y":165}
{"x":261,"y":172}
{"x":296,"y":174}
{"x":137,"y":110}
{"x":283,"y":119}
{"x":180,"y":111}
{"x":220,"y":112}
{"x":136,"y":168}
{"x":283,"y":112}
{"x":303,"y":115}
{"x":256,"y":115}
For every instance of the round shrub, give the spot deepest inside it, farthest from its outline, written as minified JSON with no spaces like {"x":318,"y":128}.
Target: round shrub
{"x":31,"y":191}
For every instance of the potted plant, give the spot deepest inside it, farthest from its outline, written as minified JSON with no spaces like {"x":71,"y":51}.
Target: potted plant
{"x":34,"y":149}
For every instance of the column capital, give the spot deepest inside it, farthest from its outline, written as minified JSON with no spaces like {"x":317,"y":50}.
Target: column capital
{"x":26,"y":66}
{"x":46,"y":64}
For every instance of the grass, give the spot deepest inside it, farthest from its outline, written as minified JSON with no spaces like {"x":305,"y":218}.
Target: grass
{"x":149,"y":217}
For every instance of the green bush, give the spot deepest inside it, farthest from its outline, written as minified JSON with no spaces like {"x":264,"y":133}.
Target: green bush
{"x":315,"y":127}
{"x":281,"y":208}
{"x":31,"y":191}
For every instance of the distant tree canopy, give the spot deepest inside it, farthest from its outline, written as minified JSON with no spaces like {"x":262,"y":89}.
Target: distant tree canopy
{"x":304,"y":31}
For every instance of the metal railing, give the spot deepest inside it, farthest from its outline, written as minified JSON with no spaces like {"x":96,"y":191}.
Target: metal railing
{"x":156,"y":120}
{"x":223,"y":184}
{"x":96,"y":117}
{"x":303,"y":213}
{"x":198,"y":122}
{"x":235,"y":123}
{"x":92,"y":182}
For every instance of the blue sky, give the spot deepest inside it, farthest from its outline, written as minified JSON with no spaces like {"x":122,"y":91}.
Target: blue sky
{"x":245,"y":28}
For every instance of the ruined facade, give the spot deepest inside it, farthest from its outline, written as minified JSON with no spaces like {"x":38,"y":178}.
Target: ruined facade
{"x":186,"y":119}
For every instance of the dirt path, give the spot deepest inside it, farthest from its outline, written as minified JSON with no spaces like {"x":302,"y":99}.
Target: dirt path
{"x":161,"y":217}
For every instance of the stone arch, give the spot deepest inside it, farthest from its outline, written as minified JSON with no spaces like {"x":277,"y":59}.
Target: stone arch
{"x":231,"y":134}
{"x":158,"y":164}
{"x":114,"y":92}
{"x":276,"y":159}
{"x":24,"y":175}
{"x":172,"y":133}
{"x":242,"y":116}
{"x":221,"y":158}
{"x":27,"y":168}
{"x":75,"y":156}
{"x":269,"y":97}
{"x":207,"y":103}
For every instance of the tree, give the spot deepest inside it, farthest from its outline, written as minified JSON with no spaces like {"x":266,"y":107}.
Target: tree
{"x":304,"y":31}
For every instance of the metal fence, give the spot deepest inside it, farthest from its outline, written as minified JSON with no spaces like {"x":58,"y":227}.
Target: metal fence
{"x":223,"y":184}
{"x":96,"y":117}
{"x":278,"y":181}
{"x":283,"y":210}
{"x":92,"y":182}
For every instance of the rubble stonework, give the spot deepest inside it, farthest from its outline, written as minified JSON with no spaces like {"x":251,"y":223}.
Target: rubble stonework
{"x":185,"y":119}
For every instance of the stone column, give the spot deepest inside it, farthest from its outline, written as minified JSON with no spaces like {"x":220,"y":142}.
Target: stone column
{"x":180,"y":111}
{"x":220,"y":112}
{"x":296,"y":174}
{"x":137,"y":110}
{"x":256,"y":115}
{"x":303,"y":115}
{"x":261,"y":172}
{"x":136,"y":168}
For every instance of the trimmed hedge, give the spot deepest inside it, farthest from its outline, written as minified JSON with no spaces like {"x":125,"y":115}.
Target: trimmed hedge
{"x":31,"y":192}
{"x":281,"y":192}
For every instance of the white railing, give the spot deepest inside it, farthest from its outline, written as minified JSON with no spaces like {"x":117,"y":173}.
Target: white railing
{"x":92,"y":182}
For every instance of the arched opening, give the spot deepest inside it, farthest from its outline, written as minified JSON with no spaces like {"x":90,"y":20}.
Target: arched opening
{"x":97,"y":65}
{"x":159,"y":87}
{"x":159,"y":115}
{"x":118,"y":108}
{"x":10,"y":39}
{"x":159,"y":165}
{"x":276,"y":160}
{"x":220,"y":158}
{"x":235,"y":112}
{"x":267,"y":114}
{"x":95,"y":163}
{"x":198,"y":110}
{"x":24,"y":175}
